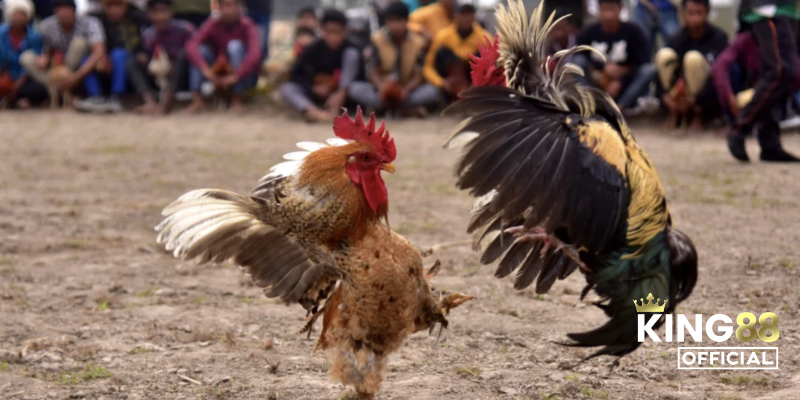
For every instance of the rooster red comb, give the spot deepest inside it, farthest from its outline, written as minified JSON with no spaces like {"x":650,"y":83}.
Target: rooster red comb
{"x":347,"y":128}
{"x":489,"y":54}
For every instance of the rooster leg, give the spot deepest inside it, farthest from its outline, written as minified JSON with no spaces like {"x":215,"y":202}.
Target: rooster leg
{"x":550,"y":241}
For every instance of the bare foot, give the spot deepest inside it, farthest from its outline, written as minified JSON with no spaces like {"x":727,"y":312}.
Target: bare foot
{"x":317,"y":115}
{"x":196,"y":106}
{"x":236,"y":106}
{"x":146,"y":108}
{"x":23,"y":104}
{"x":419,"y":112}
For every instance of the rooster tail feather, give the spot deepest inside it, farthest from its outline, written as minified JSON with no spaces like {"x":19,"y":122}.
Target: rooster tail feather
{"x":623,"y":280}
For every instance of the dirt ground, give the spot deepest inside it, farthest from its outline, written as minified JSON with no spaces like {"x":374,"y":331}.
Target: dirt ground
{"x":91,"y":307}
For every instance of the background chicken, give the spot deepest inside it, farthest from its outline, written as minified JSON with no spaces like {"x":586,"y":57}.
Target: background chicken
{"x":314,"y":232}
{"x":160,"y":67}
{"x":58,"y":74}
{"x":562,"y":183}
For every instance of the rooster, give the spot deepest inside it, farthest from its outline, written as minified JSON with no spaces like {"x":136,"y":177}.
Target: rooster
{"x":160,"y":67}
{"x":562,"y":184}
{"x":7,"y":88}
{"x":56,"y":76}
{"x":315,"y":231}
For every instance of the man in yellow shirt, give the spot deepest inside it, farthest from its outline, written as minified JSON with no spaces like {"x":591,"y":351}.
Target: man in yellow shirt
{"x":431,"y":19}
{"x":447,"y":62}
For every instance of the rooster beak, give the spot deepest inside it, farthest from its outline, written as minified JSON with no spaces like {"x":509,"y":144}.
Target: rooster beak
{"x":388,"y":167}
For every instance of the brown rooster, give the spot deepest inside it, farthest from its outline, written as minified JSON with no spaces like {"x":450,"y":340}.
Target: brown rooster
{"x":56,"y":76}
{"x":7,"y":89}
{"x":314,"y":231}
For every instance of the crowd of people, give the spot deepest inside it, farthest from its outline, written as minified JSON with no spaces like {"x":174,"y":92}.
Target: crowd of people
{"x":417,"y":62}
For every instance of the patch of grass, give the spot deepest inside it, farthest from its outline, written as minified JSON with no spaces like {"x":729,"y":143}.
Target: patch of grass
{"x":139,"y":350}
{"x":4,"y":366}
{"x":786,"y":264}
{"x":728,"y":397}
{"x":539,"y":297}
{"x":755,"y":266}
{"x":744,"y":380}
{"x":199,"y":300}
{"x":75,"y":243}
{"x":593,"y":394}
{"x":89,"y":372}
{"x":663,"y":354}
{"x":468,"y":371}
{"x":114,"y":149}
{"x":103,"y":306}
{"x":147,"y":293}
{"x":247,"y":300}
{"x":572,"y":377}
{"x":550,"y":396}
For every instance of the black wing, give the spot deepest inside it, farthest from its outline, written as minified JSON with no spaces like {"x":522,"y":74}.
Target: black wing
{"x":534,"y":164}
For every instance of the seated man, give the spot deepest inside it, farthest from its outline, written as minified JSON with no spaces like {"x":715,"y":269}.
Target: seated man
{"x":307,"y":17}
{"x":74,"y":38}
{"x":735,"y":73}
{"x":235,"y":59}
{"x":431,"y":19}
{"x":164,"y":55}
{"x":280,"y":65}
{"x":447,"y":62}
{"x":318,"y":85}
{"x":626,"y":73}
{"x":122,"y":25}
{"x":16,"y":37}
{"x":684,"y":65}
{"x":288,"y":47}
{"x":394,"y":69}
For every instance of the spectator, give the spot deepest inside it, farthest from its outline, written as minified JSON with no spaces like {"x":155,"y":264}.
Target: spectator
{"x":71,"y":36}
{"x":231,"y":39}
{"x":260,"y":12}
{"x":194,"y":11}
{"x":165,"y":38}
{"x":771,"y":24}
{"x":626,"y":73}
{"x":447,"y":62}
{"x":657,"y":16}
{"x":564,"y":34}
{"x":394,"y":68}
{"x":318,"y":83}
{"x":684,"y":65}
{"x":280,"y":65}
{"x":431,"y":19}
{"x":16,"y":37}
{"x":122,"y":25}
{"x":307,"y":17}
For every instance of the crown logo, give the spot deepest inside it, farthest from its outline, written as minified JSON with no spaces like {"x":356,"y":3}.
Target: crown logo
{"x":650,"y":306}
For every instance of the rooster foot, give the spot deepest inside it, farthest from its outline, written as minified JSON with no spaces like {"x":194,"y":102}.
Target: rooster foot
{"x":550,"y":241}
{"x":309,"y":326}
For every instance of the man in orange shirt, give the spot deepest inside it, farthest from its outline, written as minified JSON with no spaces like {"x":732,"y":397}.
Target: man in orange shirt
{"x":447,"y":63}
{"x":431,"y":19}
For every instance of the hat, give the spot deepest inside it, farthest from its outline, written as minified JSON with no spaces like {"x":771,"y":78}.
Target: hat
{"x":14,"y":6}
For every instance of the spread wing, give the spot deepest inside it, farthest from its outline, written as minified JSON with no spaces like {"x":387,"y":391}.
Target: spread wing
{"x":534,"y":164}
{"x":212,"y":225}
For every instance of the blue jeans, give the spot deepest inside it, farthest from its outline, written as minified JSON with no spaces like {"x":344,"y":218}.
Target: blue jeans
{"x":666,"y":23}
{"x":236,"y":53}
{"x":262,"y":20}
{"x":119,"y":75}
{"x":637,"y":83}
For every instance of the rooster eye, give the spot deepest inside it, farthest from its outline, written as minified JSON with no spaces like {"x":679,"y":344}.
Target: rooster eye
{"x":365,"y":157}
